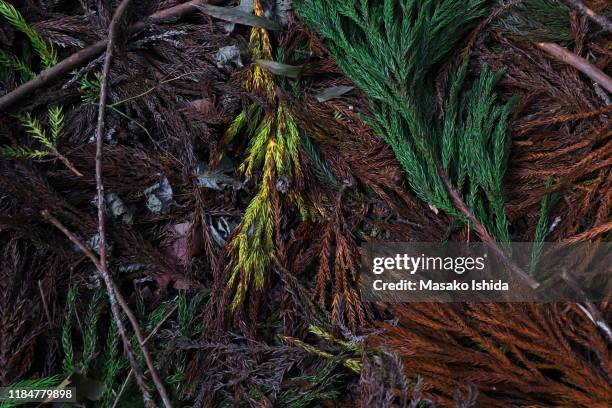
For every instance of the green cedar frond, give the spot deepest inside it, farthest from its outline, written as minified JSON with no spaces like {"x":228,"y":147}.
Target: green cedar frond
{"x":391,"y":49}
{"x":324,"y":384}
{"x":19,"y":152}
{"x":34,"y":128}
{"x":542,"y":228}
{"x":90,"y":88}
{"x":187,"y":313}
{"x":45,"y":51}
{"x":16,"y":64}
{"x":156,"y":316}
{"x":46,"y":382}
{"x":90,"y":332}
{"x":56,"y":121}
{"x":388,"y":49}
{"x":483,"y":148}
{"x":67,"y":346}
{"x":320,"y":167}
{"x":114,"y":363}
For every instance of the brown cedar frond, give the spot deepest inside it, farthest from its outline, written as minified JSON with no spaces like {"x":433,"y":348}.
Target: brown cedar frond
{"x":516,"y":354}
{"x":24,"y":320}
{"x":338,"y":268}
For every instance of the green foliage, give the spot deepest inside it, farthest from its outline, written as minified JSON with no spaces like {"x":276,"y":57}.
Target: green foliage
{"x":90,"y":331}
{"x":114,"y":364}
{"x":21,"y":152}
{"x":187,"y":313}
{"x":542,"y":228}
{"x":90,"y":88}
{"x":320,"y":167}
{"x":391,"y":50}
{"x":67,"y":345}
{"x":475,"y":147}
{"x":189,"y":328}
{"x":47,"y":54}
{"x":273,"y":147}
{"x":46,"y":382}
{"x":48,"y":139}
{"x":322,"y":385}
{"x":14,"y":63}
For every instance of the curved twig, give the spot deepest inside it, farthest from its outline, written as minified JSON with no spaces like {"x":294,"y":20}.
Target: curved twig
{"x":579,"y":63}
{"x":113,"y":32}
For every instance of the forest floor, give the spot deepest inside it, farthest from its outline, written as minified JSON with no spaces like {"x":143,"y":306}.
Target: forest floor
{"x":186,"y":188}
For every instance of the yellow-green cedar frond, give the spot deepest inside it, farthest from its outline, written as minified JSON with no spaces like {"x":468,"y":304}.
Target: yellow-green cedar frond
{"x":288,"y":138}
{"x":330,"y":337}
{"x":46,"y":53}
{"x":259,"y":80}
{"x":254,"y":241}
{"x":273,"y":142}
{"x":308,"y":211}
{"x":255,"y":247}
{"x":235,"y":127}
{"x":352,"y":364}
{"x":259,"y":40}
{"x":257,"y":146}
{"x":56,"y":120}
{"x":19,"y":152}
{"x":35,"y":129}
{"x":16,"y":64}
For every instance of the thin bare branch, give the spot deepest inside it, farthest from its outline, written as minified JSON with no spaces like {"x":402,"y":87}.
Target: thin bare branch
{"x":113,"y":32}
{"x":131,"y":372}
{"x":113,"y":296}
{"x":482,"y":232}
{"x":600,"y":20}
{"x":581,"y":64}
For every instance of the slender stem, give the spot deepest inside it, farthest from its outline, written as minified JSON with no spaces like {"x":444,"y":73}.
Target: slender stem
{"x":113,"y":32}
{"x":581,"y":64}
{"x":65,"y":160}
{"x":131,"y":372}
{"x":580,"y":7}
{"x":112,"y":291}
{"x":148,"y":91}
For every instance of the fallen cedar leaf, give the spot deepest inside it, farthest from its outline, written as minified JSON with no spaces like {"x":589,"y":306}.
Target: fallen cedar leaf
{"x":217,"y":178}
{"x":228,"y":54}
{"x":290,"y":71}
{"x":238,"y":16}
{"x":118,"y":209}
{"x":159,"y":196}
{"x":179,"y":282}
{"x":187,"y":243}
{"x":333,"y":92}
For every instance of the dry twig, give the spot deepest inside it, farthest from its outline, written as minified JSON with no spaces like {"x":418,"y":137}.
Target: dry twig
{"x":482,"y":232}
{"x":579,"y":63}
{"x":112,"y":36}
{"x":584,"y":10}
{"x":131,"y":372}
{"x":114,"y":298}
